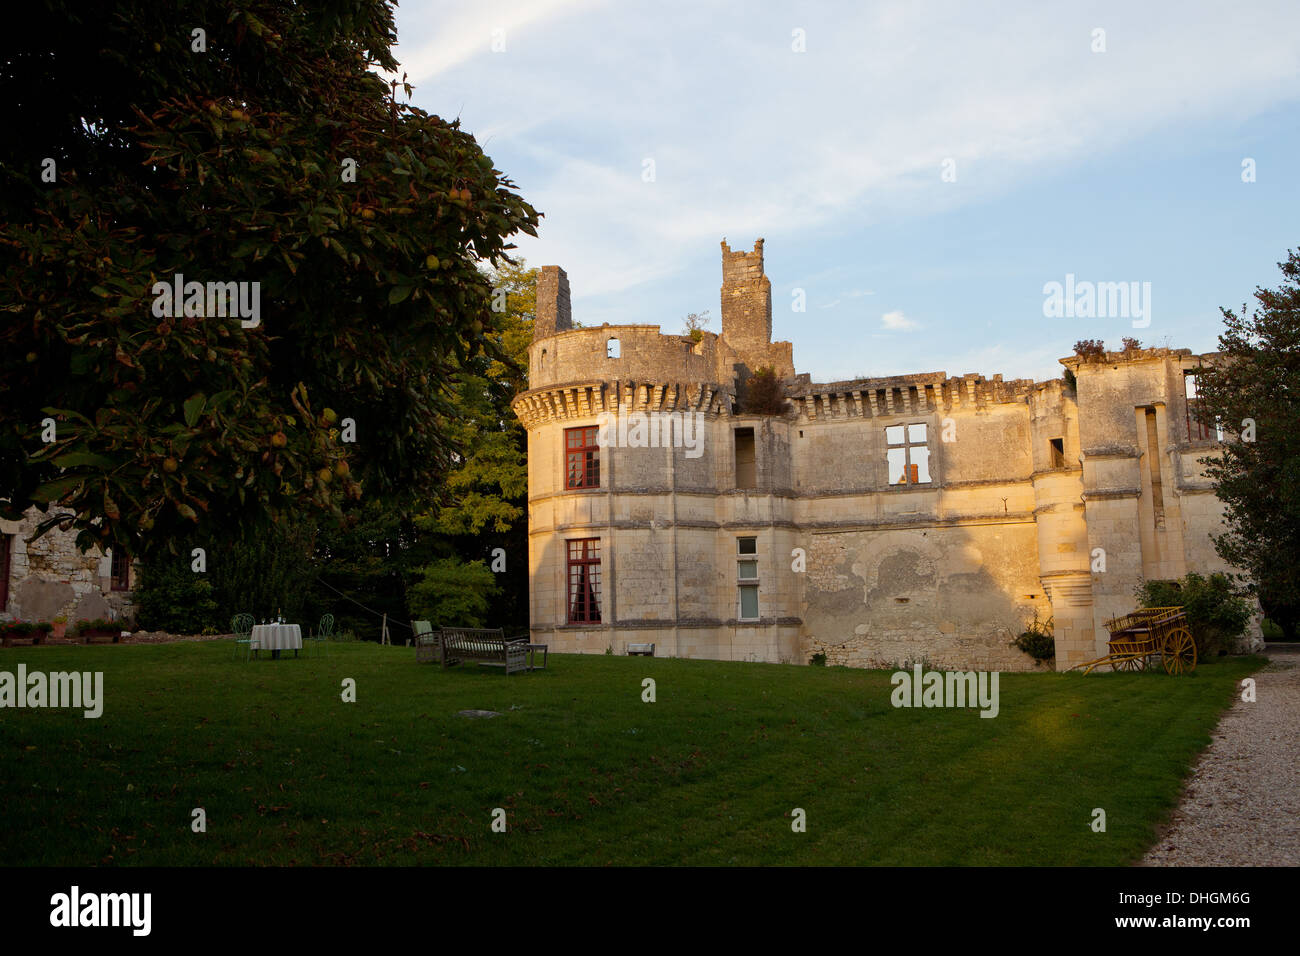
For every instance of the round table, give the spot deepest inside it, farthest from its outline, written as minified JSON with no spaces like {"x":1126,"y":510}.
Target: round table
{"x":276,"y":638}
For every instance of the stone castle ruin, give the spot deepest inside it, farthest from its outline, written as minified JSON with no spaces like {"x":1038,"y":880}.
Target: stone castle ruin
{"x":921,"y":518}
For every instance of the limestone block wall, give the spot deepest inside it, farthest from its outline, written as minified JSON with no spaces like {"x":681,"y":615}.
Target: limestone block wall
{"x":51,"y":577}
{"x":952,"y":597}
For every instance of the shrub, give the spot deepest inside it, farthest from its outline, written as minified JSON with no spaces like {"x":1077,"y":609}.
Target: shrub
{"x":1037,"y":640}
{"x":818,"y":660}
{"x":763,"y":394}
{"x":1217,"y":611}
{"x":1131,"y":344}
{"x":1088,"y":349}
{"x":173,"y":598}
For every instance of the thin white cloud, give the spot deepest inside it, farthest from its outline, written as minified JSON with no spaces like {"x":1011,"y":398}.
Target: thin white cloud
{"x":896,"y":321}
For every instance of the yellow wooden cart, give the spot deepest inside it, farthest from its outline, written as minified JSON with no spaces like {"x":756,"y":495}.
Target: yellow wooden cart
{"x":1136,"y":639}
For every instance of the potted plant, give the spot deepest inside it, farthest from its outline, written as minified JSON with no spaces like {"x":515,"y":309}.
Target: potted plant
{"x":59,"y":626}
{"x":15,"y":630}
{"x":97,"y":627}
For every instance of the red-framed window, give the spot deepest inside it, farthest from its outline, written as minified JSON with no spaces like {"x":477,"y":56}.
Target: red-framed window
{"x":584,"y":581}
{"x":121,"y":572}
{"x":581,"y":458}
{"x":6,"y":543}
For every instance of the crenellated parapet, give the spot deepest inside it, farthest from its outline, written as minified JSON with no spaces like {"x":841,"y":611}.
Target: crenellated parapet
{"x":904,"y":395}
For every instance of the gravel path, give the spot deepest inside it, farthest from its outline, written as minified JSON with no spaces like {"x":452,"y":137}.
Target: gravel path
{"x":1242,"y":803}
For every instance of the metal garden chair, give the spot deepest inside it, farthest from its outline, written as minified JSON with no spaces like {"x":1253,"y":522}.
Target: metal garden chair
{"x":324,"y":631}
{"x":242,"y":626}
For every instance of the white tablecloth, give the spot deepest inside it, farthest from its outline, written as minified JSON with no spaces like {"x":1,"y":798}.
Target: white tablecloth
{"x":277,"y":637}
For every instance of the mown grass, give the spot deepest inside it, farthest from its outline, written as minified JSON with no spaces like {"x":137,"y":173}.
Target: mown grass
{"x":587,"y":772}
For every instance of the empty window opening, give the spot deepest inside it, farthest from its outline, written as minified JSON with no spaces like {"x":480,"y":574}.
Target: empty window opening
{"x":1153,"y":463}
{"x":1057,"y":452}
{"x":908,"y":454}
{"x":1200,"y":426}
{"x":746,"y":472}
{"x":612,"y":348}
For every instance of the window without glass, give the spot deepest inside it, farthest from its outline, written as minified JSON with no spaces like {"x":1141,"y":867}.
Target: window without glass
{"x":1058,"y":452}
{"x":1200,"y":426}
{"x":612,"y":348}
{"x":745,"y":468}
{"x":908,"y":454}
{"x":581,"y":458}
{"x":584,"y":581}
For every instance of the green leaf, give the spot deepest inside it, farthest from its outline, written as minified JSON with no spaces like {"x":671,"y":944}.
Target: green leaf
{"x":398,"y":293}
{"x":193,"y":407}
{"x":84,"y":459}
{"x":54,"y":490}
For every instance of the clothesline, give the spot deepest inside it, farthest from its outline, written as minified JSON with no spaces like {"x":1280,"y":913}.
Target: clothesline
{"x":363,"y":607}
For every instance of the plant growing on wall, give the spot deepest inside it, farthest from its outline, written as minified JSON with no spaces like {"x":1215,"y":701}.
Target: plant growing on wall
{"x":763,"y":394}
{"x":1090,"y":349}
{"x":1037,"y":640}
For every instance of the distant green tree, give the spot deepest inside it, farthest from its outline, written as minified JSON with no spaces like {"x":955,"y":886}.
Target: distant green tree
{"x":170,"y":596}
{"x":454,"y":593}
{"x":266,"y":573}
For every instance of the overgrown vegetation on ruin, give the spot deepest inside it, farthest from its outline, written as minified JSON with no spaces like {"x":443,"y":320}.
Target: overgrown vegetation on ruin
{"x":763,"y":393}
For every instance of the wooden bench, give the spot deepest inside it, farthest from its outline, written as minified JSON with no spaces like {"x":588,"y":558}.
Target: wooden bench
{"x":487,"y":646}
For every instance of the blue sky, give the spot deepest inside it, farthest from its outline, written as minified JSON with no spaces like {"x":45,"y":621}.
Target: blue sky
{"x":1122,"y":165}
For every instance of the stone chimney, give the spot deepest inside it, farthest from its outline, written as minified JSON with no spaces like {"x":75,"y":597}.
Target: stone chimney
{"x":746,"y":299}
{"x":553,"y":312}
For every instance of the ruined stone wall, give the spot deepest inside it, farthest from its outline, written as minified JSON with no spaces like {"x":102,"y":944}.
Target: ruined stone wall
{"x":1040,"y":501}
{"x":51,"y":577}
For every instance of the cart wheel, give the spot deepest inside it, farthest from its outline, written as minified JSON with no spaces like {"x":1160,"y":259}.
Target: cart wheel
{"x":1127,"y":664}
{"x":1179,"y":651}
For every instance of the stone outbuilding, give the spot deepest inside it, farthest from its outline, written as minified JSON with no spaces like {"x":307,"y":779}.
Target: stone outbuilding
{"x":50,"y":576}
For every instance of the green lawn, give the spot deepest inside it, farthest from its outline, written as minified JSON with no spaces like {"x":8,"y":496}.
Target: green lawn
{"x":587,"y":772}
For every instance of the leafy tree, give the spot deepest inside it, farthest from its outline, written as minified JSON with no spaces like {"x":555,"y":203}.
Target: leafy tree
{"x":453,"y":592}
{"x":1254,"y":390}
{"x":171,"y":597}
{"x":230,"y":163}
{"x":265,"y":573}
